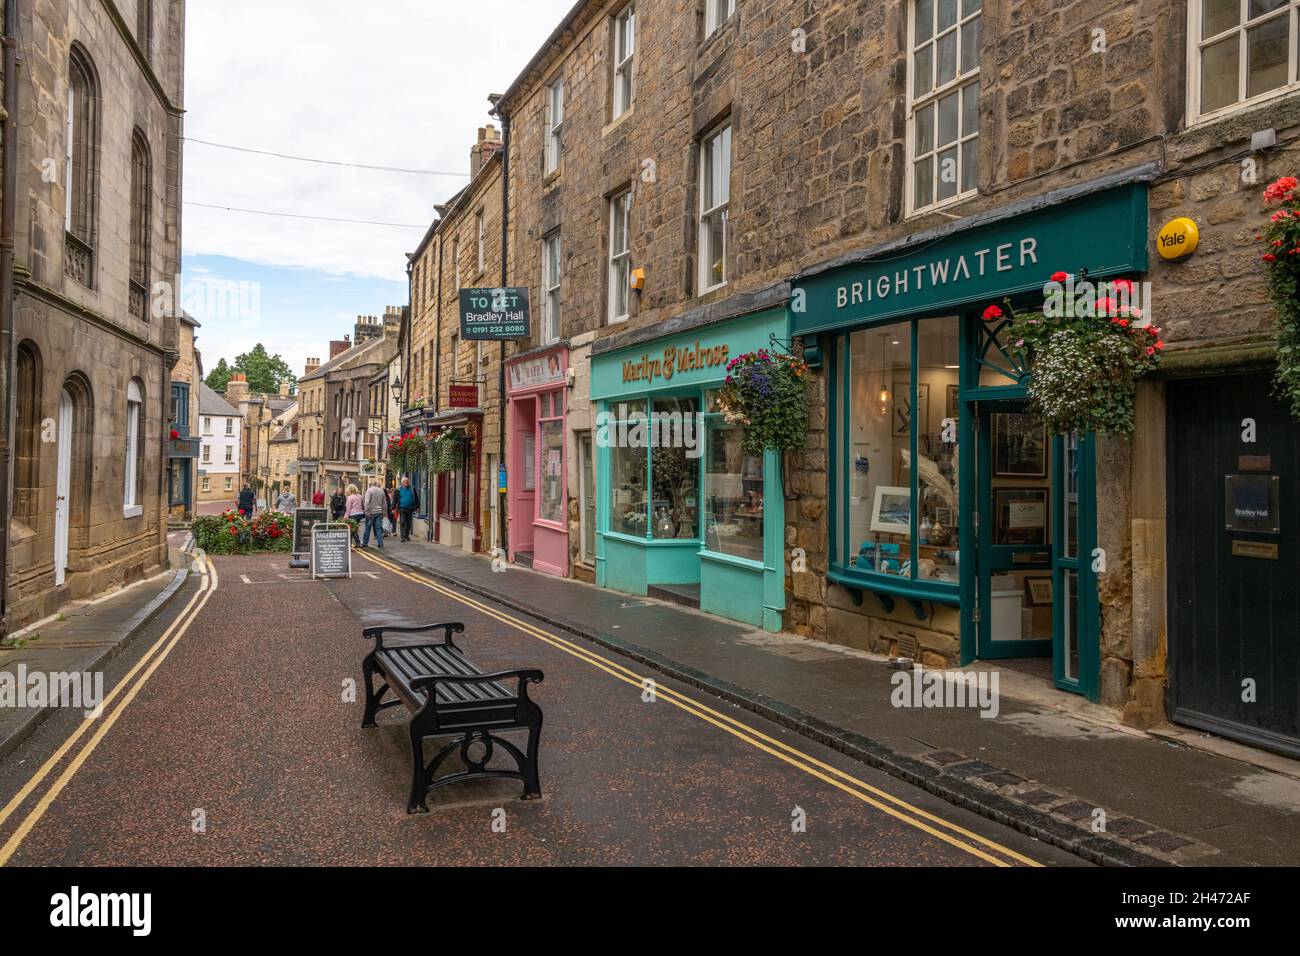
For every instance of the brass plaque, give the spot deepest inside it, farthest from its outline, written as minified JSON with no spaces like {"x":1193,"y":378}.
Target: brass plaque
{"x":1254,"y":462}
{"x":1254,"y":549}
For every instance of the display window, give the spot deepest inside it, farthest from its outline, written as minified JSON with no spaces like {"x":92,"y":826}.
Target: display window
{"x":550,"y":443}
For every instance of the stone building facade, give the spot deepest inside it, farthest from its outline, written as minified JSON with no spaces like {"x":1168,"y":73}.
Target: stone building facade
{"x":462,"y":249}
{"x":92,"y":351}
{"x":863,"y":133}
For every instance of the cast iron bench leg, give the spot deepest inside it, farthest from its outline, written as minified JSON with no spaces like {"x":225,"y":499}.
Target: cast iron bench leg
{"x":419,"y":774}
{"x":372,"y":699}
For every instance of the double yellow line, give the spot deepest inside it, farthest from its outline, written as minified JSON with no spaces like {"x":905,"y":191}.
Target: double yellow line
{"x":127,"y":689}
{"x":979,"y":846}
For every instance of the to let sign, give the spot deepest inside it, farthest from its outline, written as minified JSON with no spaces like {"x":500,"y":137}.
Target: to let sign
{"x":493,"y":314}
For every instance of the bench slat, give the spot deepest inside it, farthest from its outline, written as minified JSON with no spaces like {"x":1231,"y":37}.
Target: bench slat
{"x":405,"y":664}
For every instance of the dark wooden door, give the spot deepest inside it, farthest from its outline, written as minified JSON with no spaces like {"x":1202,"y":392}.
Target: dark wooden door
{"x":1234,"y":583}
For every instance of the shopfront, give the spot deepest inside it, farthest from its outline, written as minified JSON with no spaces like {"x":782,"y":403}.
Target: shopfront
{"x":681,"y":512}
{"x":954,"y":518}
{"x":537,"y":459}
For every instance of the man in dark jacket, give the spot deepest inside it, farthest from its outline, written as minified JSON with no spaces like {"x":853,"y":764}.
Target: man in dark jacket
{"x":247,"y":502}
{"x":338,"y":501}
{"x":408,"y":502}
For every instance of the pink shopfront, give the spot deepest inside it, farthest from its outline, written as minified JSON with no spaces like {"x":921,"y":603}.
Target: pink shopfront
{"x":537,"y":473}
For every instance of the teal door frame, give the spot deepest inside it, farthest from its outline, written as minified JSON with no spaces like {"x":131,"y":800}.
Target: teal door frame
{"x":1082,"y":562}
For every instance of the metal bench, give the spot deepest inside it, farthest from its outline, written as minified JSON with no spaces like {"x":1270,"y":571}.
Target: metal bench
{"x":449,"y":697}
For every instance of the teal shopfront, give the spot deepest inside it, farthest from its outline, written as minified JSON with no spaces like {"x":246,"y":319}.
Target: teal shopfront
{"x":681,"y":512}
{"x":949,"y":504}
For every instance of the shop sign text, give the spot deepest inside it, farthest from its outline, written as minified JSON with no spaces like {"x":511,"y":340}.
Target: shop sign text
{"x":674,"y":360}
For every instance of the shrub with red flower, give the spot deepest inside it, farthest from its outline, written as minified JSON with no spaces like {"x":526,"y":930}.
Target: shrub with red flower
{"x":175,"y":434}
{"x":1084,"y":360}
{"x":767,"y":394}
{"x":232,"y":533}
{"x":1281,"y":239}
{"x":407,"y":453}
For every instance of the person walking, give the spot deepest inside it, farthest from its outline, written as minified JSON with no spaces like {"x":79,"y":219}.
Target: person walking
{"x":338,"y":504}
{"x":355,"y":509}
{"x":408,"y":502}
{"x":376,"y":502}
{"x":391,"y":495}
{"x":247,"y":501}
{"x":286,"y":502}
{"x":318,"y":498}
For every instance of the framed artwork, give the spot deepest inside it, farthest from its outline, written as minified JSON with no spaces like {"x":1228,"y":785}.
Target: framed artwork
{"x":904,"y":414}
{"x":950,"y":410}
{"x":1020,"y":516}
{"x":1019,"y":445}
{"x":891,"y":511}
{"x":1039,"y":589}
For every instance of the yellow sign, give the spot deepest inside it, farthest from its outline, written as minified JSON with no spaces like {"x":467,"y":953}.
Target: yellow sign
{"x":1178,"y":238}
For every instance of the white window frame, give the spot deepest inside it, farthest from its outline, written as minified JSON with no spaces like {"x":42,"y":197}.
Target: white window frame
{"x":716,"y":13}
{"x":230,"y":426}
{"x":620,"y":204}
{"x":230,"y":483}
{"x":552,"y":274}
{"x":207,"y":425}
{"x":455,"y":261}
{"x":230,"y":454}
{"x":1196,"y":46}
{"x":720,"y":204}
{"x":554,"y":125}
{"x":931,"y":98}
{"x":207,"y":454}
{"x":134,"y":422}
{"x":624,"y":60}
{"x":207,"y":484}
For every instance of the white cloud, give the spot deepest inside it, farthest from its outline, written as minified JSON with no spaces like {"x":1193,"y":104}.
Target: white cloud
{"x":389,"y":82}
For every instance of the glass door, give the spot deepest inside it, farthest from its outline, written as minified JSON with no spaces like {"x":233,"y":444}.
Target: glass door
{"x":1075,"y":647}
{"x":1013,"y":528}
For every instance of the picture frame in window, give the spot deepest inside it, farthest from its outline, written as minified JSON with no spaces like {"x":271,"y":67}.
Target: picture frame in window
{"x":1020,"y":516}
{"x":1038,"y":589}
{"x":1019,"y":445}
{"x":891,"y":510}
{"x":952,"y":408}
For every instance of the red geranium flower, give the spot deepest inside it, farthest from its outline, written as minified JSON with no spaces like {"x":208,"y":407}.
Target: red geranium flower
{"x":1123,"y":285}
{"x":1281,"y":190}
{"x":175,"y":434}
{"x":991,"y":313}
{"x":1060,"y":276}
{"x":1269,"y":257}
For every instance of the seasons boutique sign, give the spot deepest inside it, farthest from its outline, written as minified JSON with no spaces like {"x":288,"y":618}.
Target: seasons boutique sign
{"x":674,"y":359}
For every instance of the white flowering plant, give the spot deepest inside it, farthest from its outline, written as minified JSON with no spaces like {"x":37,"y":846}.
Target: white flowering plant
{"x":1084,"y":361}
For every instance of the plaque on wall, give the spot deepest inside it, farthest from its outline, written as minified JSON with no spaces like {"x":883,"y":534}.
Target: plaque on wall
{"x":1251,"y":503}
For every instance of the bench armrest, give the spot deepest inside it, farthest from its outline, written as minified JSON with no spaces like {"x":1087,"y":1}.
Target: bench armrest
{"x":378,"y":631}
{"x":524,"y":677}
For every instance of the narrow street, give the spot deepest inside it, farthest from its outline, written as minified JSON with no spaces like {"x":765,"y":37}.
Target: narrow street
{"x":229,"y":738}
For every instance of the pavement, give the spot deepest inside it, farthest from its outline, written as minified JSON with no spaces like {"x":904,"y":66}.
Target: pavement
{"x":1049,"y":765}
{"x":236,"y":740}
{"x":80,"y":639}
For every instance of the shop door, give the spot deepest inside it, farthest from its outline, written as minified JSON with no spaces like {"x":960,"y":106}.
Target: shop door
{"x":523,"y":476}
{"x":1234,"y":562}
{"x":1013,"y":532}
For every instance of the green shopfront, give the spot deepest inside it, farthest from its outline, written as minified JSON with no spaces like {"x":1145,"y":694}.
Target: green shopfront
{"x":681,"y":512}
{"x":958,"y":528}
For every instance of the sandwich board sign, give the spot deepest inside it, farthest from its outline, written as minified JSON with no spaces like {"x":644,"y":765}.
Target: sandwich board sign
{"x":304,"y":519}
{"x":331,"y":550}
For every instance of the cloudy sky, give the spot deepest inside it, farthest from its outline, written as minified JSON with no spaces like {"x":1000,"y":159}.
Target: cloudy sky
{"x":399,"y":83}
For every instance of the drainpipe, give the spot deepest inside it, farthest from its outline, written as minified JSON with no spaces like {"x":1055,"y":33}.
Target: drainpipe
{"x":8,"y":202}
{"x":502,"y":524}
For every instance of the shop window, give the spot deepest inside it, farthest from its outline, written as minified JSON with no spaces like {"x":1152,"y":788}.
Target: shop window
{"x":900,"y":481}
{"x":550,"y":427}
{"x":715,"y":194}
{"x":628,"y":437}
{"x":555,"y":125}
{"x":733,"y":494}
{"x":943,"y":95}
{"x":455,"y":488}
{"x":624,"y":60}
{"x":620,"y":256}
{"x":675,"y":467}
{"x":551,"y":266}
{"x":1241,"y":51}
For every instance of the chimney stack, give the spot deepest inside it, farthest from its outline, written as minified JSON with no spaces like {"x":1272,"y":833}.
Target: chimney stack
{"x":489,"y":141}
{"x":284,"y":389}
{"x":311,"y":366}
{"x":237,"y":389}
{"x":338,"y":347}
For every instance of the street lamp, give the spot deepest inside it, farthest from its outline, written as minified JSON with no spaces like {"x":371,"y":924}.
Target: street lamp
{"x":396,"y":386}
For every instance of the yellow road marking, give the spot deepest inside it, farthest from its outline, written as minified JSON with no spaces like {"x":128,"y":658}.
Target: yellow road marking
{"x":180,"y":626}
{"x":806,"y":762}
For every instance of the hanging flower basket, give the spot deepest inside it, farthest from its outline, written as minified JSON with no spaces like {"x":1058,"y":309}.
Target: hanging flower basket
{"x":1085,"y":357}
{"x":406,"y":454}
{"x":447,"y":451}
{"x":1282,"y":262}
{"x":767,"y":393}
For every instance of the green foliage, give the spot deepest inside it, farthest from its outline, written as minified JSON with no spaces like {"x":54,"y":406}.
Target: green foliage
{"x":447,"y":451}
{"x":407,"y":454}
{"x":767,"y":394}
{"x":1085,"y":359}
{"x":231,"y":533}
{"x":219,"y":377}
{"x":1282,"y":260}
